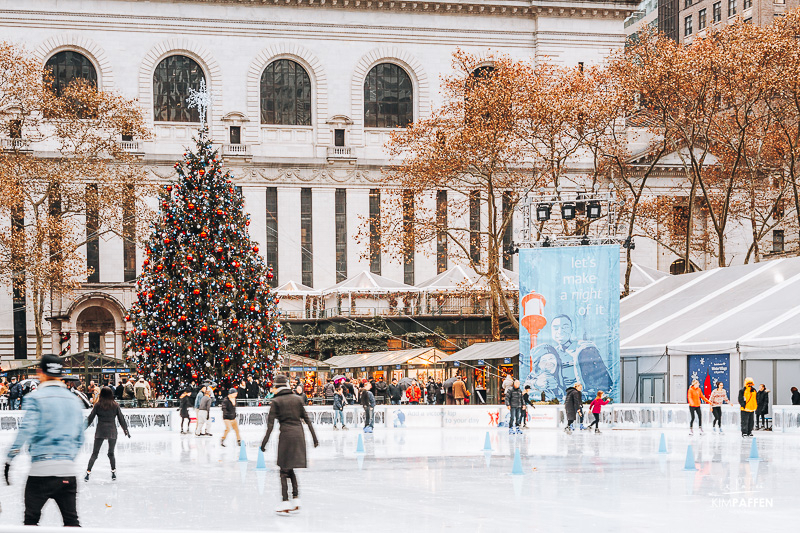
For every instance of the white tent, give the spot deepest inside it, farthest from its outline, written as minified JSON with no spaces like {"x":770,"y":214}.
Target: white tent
{"x":368,"y":294}
{"x":293,"y":297}
{"x":641,"y":276}
{"x":751,"y":312}
{"x":461,"y":278}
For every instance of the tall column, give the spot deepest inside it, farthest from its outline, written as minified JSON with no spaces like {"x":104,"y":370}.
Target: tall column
{"x":118,"y":343}
{"x":324,"y":235}
{"x":73,"y":339}
{"x":289,"y":261}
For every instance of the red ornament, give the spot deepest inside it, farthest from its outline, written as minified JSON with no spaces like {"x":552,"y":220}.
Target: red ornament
{"x":196,"y":291}
{"x":228,"y":285}
{"x":169,"y":187}
{"x":190,"y":206}
{"x":183,"y":317}
{"x":220,"y":212}
{"x":143,"y":333}
{"x":145,"y":262}
{"x":166,"y":241}
{"x":189,"y":257}
{"x":255,"y":249}
{"x":252,"y":308}
{"x":203,"y":234}
{"x":204,"y":328}
{"x":189,"y":365}
{"x":219,"y":249}
{"x":160,"y":268}
{"x":234,"y":321}
{"x":227,"y":360}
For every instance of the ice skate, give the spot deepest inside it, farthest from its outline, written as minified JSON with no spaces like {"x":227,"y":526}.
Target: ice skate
{"x":583,"y":427}
{"x":345,"y":427}
{"x":113,"y":475}
{"x":596,"y":430}
{"x":295,"y":505}
{"x":335,"y":427}
{"x":691,"y":432}
{"x":86,"y":477}
{"x":701,"y":431}
{"x":222,"y":443}
{"x":519,"y":430}
{"x":511,"y":431}
{"x":283,"y":509}
{"x":238,"y":442}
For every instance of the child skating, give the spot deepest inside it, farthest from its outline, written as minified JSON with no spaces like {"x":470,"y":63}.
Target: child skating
{"x":289,"y":410}
{"x":596,"y":407}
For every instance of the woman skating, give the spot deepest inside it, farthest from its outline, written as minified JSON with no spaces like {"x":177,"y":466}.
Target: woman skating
{"x":716,"y":399}
{"x":289,"y":410}
{"x":107,"y":412}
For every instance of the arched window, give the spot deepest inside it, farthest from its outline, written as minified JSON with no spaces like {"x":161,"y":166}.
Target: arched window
{"x":172,"y":79}
{"x":388,"y":97}
{"x":68,"y":66}
{"x":285,"y":94}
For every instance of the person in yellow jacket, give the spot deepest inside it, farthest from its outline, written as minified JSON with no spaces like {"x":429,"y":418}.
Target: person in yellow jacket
{"x":748,"y":403}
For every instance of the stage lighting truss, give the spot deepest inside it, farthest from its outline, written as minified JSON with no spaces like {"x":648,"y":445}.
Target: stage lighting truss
{"x":598,"y":207}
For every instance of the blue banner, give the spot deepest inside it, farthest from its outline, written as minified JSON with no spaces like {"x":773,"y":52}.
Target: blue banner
{"x":569,"y":320}
{"x":709,"y":369}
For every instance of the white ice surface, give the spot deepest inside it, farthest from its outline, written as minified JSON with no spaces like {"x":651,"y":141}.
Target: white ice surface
{"x":438,"y":480}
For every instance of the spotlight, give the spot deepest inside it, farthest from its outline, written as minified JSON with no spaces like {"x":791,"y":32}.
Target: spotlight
{"x":546,"y":243}
{"x":568,"y":211}
{"x":593,"y":209}
{"x":585,"y":240}
{"x":543,"y":212}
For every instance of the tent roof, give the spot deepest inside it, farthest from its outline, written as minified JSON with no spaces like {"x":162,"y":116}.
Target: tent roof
{"x":486,"y":350}
{"x":392,"y":357}
{"x":292,"y":287}
{"x":461,"y":278}
{"x":290,"y":359}
{"x":641,"y":276}
{"x":756,"y":306}
{"x":366,"y":281}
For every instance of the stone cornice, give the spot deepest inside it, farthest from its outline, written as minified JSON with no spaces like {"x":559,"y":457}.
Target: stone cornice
{"x":615,"y":9}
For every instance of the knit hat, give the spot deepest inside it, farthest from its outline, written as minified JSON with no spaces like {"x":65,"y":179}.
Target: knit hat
{"x":232,"y":391}
{"x":51,"y":365}
{"x":749,"y":381}
{"x":280,"y":381}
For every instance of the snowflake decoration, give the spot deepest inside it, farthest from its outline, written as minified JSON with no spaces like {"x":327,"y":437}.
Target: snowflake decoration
{"x":201,"y":100}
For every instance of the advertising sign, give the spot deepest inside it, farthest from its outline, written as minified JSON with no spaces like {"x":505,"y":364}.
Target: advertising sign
{"x":569,"y":318}
{"x":709,"y":369}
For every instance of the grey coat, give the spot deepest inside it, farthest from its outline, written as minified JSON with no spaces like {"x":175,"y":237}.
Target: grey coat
{"x":289,"y":410}
{"x":572,"y":403}
{"x":107,"y":422}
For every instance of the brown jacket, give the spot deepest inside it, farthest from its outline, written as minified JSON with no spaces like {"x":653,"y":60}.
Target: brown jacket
{"x":459,"y":390}
{"x":288,"y":409}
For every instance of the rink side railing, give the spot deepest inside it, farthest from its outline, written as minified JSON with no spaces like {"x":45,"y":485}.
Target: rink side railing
{"x":784,"y":419}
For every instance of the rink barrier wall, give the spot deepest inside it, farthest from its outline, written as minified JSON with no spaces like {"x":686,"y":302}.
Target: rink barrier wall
{"x":785,"y":419}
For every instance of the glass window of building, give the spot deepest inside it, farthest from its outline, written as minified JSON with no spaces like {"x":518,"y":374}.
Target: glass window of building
{"x":285,"y":94}
{"x":172,"y":79}
{"x":388,"y":97}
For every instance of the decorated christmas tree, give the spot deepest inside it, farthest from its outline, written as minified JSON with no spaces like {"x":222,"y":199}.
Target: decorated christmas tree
{"x":205,"y":310}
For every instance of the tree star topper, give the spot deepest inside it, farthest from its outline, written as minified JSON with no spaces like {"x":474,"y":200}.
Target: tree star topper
{"x":201,"y":100}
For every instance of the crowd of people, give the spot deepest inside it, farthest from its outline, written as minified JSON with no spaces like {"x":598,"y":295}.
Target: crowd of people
{"x":753,"y":406}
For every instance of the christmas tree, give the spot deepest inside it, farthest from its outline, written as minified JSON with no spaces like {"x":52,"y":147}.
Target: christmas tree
{"x":204,"y":310}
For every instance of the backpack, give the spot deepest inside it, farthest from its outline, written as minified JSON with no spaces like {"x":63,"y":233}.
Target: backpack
{"x":127,"y":392}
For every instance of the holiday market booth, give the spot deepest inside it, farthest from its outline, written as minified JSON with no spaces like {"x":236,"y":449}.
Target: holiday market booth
{"x":366,"y":294}
{"x":311,"y":372}
{"x":417,"y":363}
{"x":462,"y":291}
{"x":717,"y":325}
{"x":485,"y":365}
{"x":298,"y":300}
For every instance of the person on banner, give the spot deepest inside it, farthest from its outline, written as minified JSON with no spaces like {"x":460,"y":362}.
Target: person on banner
{"x":579,"y":361}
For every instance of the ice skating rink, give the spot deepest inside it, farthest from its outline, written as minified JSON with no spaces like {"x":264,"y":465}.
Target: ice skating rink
{"x":439,"y":480}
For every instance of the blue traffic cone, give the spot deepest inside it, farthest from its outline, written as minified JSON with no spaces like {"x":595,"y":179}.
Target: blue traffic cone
{"x":360,"y":445}
{"x":662,"y":445}
{"x":517,"y":468}
{"x":261,"y":464}
{"x":243,"y":453}
{"x":689,"y":459}
{"x":487,"y":443}
{"x":754,"y":451}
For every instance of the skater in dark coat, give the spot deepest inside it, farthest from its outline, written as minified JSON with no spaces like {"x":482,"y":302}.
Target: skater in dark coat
{"x":107,"y":412}
{"x":186,"y":402}
{"x":572,"y":404}
{"x":289,"y":410}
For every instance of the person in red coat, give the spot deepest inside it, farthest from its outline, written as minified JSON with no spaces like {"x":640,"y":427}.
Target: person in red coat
{"x":414,"y":394}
